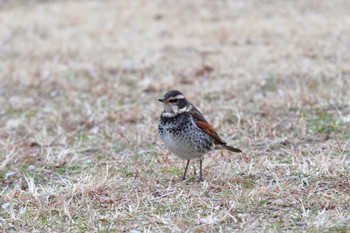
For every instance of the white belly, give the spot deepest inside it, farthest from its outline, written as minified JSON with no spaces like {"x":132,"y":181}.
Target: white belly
{"x":181,"y":149}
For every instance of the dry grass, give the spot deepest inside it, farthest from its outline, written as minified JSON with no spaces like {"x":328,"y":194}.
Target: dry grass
{"x":79,"y":144}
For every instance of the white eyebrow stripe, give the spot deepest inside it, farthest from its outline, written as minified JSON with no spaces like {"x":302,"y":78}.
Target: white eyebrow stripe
{"x":179,"y":97}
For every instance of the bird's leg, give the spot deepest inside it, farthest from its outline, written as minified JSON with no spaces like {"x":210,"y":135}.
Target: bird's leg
{"x":201,"y":177}
{"x":184,"y":176}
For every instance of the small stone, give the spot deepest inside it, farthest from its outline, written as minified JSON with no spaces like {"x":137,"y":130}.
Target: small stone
{"x":9,"y":174}
{"x":5,"y":205}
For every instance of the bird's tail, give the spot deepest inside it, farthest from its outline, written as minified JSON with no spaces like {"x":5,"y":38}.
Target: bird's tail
{"x":230,"y":148}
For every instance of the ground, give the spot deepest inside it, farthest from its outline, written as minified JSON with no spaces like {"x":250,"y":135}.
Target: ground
{"x":79,"y":146}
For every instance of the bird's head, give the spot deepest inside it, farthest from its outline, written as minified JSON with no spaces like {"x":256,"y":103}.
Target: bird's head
{"x":174,"y":103}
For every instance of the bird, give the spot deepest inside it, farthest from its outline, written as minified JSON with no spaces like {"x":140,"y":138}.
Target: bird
{"x":186,"y":133}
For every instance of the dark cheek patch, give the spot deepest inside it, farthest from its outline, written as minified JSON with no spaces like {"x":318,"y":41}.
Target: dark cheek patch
{"x":181,"y":104}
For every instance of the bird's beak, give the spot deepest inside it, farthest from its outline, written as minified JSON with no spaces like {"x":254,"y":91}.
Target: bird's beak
{"x":163,"y":100}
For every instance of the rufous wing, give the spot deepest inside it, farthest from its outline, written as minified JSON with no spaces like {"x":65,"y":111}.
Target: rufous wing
{"x":208,"y":129}
{"x":205,"y":126}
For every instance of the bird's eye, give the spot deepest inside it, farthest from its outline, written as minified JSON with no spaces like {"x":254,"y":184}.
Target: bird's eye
{"x":173,"y":100}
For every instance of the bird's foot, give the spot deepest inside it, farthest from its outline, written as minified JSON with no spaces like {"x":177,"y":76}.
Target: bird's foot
{"x":201,"y":179}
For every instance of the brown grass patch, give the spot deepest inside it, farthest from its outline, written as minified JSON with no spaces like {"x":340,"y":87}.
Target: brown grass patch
{"x":78,"y":120}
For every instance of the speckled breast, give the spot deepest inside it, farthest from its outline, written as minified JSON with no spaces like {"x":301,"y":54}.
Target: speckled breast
{"x":181,"y":136}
